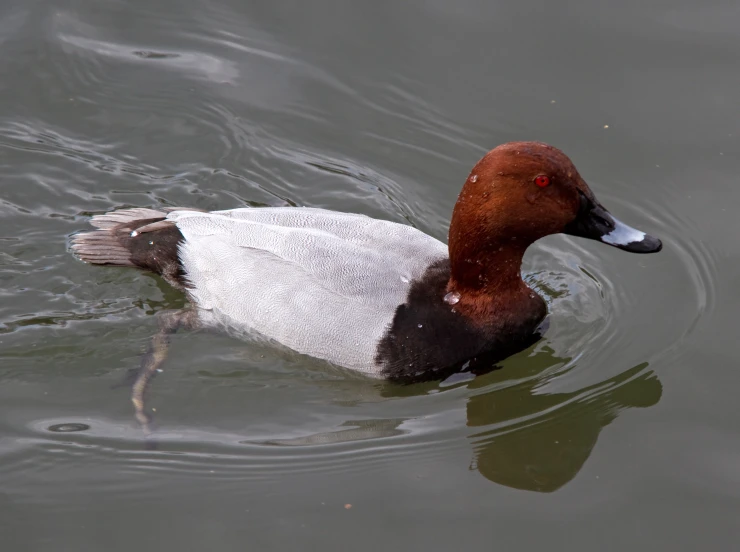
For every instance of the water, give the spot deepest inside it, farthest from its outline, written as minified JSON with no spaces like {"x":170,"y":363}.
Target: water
{"x":619,"y":430}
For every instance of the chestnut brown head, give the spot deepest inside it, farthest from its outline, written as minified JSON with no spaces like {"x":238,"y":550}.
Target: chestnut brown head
{"x":523,"y":191}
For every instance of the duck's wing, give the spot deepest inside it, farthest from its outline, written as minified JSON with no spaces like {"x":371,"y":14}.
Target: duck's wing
{"x":323,"y":283}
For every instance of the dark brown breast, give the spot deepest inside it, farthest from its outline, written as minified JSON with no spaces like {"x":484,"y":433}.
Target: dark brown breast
{"x":428,"y":339}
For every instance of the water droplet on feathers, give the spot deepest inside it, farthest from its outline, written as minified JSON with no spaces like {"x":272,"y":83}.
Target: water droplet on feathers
{"x":452,"y":298}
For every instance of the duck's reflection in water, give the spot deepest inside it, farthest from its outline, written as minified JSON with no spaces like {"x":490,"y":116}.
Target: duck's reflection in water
{"x":539,"y":441}
{"x":529,"y":438}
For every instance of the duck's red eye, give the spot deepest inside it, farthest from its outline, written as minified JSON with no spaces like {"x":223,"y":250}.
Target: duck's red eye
{"x":542,"y":180}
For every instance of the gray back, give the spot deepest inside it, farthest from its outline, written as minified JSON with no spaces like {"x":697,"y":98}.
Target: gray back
{"x":323,"y":283}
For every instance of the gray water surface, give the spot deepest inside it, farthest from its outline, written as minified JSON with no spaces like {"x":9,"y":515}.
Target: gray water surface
{"x":618,"y":431}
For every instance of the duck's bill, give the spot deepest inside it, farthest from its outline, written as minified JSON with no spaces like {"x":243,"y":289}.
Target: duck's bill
{"x":596,"y":223}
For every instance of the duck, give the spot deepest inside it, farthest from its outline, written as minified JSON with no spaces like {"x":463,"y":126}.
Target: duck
{"x":373,"y":296}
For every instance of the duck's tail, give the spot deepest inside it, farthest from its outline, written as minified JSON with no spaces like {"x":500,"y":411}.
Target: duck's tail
{"x":140,"y":237}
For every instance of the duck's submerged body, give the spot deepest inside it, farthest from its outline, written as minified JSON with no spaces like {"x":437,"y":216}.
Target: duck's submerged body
{"x":372,"y":295}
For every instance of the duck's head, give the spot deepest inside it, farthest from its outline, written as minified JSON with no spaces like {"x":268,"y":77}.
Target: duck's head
{"x":518,"y":193}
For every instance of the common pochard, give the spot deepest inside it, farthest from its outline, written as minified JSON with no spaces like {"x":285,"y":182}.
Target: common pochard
{"x":372,"y":295}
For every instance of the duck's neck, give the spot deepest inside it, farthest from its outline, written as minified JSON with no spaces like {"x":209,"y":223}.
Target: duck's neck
{"x":494,"y":269}
{"x":488,"y":279}
{"x":486,"y":252}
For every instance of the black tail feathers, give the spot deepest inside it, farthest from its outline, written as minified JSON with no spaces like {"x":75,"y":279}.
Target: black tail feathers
{"x":141,"y":238}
